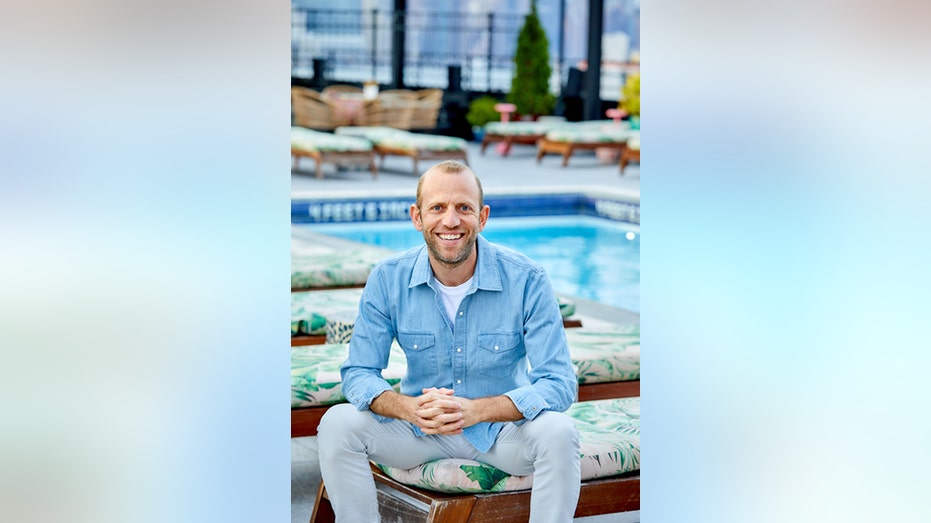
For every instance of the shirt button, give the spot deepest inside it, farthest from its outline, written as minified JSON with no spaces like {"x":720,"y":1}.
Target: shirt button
{"x":458,"y":381}
{"x":415,"y":345}
{"x":496,"y":347}
{"x":460,"y":313}
{"x":459,"y":350}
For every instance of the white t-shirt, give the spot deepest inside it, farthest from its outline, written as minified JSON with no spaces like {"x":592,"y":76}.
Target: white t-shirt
{"x":452,"y":297}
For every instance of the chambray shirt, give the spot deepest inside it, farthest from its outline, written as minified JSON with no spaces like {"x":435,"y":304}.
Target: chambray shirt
{"x":508,"y":337}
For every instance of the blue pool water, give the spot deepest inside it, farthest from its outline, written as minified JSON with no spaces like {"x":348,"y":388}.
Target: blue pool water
{"x":587,"y":257}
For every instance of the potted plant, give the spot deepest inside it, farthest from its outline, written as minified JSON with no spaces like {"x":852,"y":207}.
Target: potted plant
{"x":530,"y":86}
{"x":630,"y":100}
{"x":481,"y":111}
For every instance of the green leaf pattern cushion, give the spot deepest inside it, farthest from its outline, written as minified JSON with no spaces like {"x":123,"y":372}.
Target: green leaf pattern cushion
{"x":605,"y":354}
{"x":609,"y":437}
{"x":519,"y":128}
{"x":315,"y":378}
{"x":304,"y":139}
{"x":310,"y":309}
{"x":598,"y":131}
{"x":317,"y":261}
{"x":602,"y":354}
{"x":404,"y":140}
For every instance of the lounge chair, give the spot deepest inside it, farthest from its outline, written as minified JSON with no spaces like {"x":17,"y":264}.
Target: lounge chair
{"x":327,"y":147}
{"x":526,"y":133}
{"x":314,"y":111}
{"x":606,"y":362}
{"x":426,"y":108}
{"x":319,"y":261}
{"x":631,"y":152}
{"x":418,"y":147}
{"x":461,"y":490}
{"x":568,"y":138}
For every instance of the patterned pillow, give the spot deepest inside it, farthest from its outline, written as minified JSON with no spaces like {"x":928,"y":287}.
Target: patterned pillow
{"x":605,"y":354}
{"x":310,"y":309}
{"x":609,"y":436}
{"x":308,"y":140}
{"x":315,"y":378}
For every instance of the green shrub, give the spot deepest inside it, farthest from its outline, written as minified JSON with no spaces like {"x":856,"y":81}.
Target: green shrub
{"x":530,"y":86}
{"x":630,"y":95}
{"x":482,"y":111}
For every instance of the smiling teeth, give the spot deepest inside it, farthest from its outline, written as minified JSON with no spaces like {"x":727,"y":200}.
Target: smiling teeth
{"x":449,"y":236}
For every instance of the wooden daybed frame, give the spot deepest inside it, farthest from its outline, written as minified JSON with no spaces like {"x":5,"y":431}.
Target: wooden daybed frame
{"x":333,"y":157}
{"x":405,"y":503}
{"x":509,"y":140}
{"x":629,"y":155}
{"x":566,"y":149}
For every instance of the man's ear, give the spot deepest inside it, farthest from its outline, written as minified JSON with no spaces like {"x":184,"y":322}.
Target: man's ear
{"x":483,"y":217}
{"x":415,"y":217}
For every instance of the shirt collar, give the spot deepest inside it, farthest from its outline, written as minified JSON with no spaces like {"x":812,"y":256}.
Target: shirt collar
{"x":486,"y":270}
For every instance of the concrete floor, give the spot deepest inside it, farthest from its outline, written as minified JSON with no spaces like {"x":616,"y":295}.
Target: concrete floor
{"x":518,"y":172}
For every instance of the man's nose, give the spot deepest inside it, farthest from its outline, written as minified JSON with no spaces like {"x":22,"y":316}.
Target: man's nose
{"x":451,"y":218}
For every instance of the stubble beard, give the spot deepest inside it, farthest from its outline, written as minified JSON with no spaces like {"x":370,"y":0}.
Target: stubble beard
{"x":461,"y":256}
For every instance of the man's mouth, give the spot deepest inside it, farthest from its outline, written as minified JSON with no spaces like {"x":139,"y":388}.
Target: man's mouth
{"x":449,"y":236}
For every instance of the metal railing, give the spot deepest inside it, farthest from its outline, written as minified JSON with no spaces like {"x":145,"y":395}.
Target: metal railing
{"x":357,"y":46}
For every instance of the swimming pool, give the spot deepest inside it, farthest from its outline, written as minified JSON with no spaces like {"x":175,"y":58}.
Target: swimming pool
{"x":591,"y":258}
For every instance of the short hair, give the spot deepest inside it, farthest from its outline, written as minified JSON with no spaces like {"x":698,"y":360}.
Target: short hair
{"x":452,"y":167}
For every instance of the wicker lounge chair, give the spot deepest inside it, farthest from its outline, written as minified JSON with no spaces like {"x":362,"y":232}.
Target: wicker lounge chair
{"x":461,"y":491}
{"x":327,"y":147}
{"x":426,"y":108}
{"x":416,"y":146}
{"x":568,"y":138}
{"x":314,"y":111}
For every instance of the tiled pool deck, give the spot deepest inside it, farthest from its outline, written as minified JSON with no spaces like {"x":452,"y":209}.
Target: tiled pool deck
{"x":518,"y":173}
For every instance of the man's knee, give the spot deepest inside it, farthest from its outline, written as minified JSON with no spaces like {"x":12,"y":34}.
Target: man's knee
{"x":555,"y":429}
{"x":341,"y":420}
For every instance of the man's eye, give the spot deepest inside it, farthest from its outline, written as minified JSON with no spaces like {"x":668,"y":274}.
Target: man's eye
{"x":465,"y":208}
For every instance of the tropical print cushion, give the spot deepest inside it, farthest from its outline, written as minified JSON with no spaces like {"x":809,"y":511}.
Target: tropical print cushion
{"x":609,"y":437}
{"x":404,"y":140}
{"x":303,"y":139}
{"x":310,"y":309}
{"x":317,"y":261}
{"x":605,"y":354}
{"x":519,"y":128}
{"x":634,"y":142}
{"x":599,"y":131}
{"x":315,"y":378}
{"x":599,"y":354}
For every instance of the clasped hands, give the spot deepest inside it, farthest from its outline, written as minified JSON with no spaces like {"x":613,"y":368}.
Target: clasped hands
{"x":439,"y":411}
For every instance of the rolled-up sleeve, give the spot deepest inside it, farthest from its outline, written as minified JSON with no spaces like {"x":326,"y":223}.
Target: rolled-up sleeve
{"x":553,"y":383}
{"x":370,"y":346}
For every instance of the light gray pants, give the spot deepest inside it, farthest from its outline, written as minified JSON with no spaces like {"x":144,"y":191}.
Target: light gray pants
{"x":547,"y":447}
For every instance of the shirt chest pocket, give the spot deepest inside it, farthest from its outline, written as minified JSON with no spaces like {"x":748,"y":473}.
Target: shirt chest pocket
{"x":499,"y":354}
{"x":420,"y":350}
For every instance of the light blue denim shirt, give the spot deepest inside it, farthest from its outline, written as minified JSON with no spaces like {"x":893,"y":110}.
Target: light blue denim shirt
{"x":508,"y":338}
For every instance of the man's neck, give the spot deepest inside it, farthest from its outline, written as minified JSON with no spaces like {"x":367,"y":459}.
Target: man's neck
{"x":455,"y":275}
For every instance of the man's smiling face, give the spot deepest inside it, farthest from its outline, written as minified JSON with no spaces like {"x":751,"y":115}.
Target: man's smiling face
{"x":450,"y":215}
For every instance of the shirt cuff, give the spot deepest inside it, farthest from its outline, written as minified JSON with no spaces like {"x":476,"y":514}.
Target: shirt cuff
{"x":363,"y":399}
{"x":528,"y":401}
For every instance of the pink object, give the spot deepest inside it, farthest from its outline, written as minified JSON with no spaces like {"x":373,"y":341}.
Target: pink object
{"x":505,"y":110}
{"x":616,"y":114}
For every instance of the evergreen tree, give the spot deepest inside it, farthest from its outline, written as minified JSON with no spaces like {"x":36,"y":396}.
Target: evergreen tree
{"x":530,"y":86}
